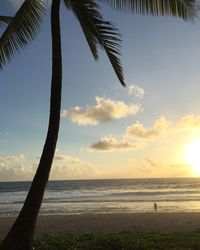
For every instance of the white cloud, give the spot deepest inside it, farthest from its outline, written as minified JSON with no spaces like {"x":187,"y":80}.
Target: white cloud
{"x":189,"y":122}
{"x":105,"y":110}
{"x":137,"y":135}
{"x":107,"y":144}
{"x":137,"y":130}
{"x":13,"y":169}
{"x":136,"y":91}
{"x":133,"y":138}
{"x":70,"y":159}
{"x":68,"y":167}
{"x":4,"y":161}
{"x":71,"y":172}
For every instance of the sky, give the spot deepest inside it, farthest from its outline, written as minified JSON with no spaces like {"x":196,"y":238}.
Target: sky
{"x":151,"y":129}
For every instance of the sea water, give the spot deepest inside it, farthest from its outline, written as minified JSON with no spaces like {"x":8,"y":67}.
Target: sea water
{"x":107,"y":196}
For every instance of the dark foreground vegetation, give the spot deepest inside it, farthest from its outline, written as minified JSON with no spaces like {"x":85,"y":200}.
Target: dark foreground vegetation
{"x":121,"y":241}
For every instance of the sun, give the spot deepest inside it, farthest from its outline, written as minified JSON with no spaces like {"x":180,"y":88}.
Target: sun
{"x":192,"y":155}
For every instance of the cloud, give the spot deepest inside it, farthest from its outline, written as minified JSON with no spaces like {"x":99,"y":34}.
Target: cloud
{"x":74,"y":160}
{"x":176,"y":166}
{"x":189,"y":122}
{"x":136,"y":91}
{"x":152,"y":163}
{"x":137,"y":130}
{"x":4,"y":161}
{"x":137,"y":135}
{"x":12,"y":173}
{"x":107,"y":144}
{"x":13,"y":169}
{"x":105,"y":110}
{"x":133,"y":138}
{"x":68,"y":167}
{"x":169,"y":169}
{"x":72,"y":172}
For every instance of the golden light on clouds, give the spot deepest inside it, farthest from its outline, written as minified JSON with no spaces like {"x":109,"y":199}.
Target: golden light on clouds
{"x":192,"y":155}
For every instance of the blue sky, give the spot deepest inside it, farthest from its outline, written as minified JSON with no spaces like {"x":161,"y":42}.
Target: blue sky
{"x":114,"y":133}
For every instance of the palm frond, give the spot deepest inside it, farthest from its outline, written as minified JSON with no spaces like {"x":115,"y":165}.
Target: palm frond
{"x":98,"y":32}
{"x":5,"y":19}
{"x":21,"y":30}
{"x":185,"y":9}
{"x":79,"y":11}
{"x":68,"y":4}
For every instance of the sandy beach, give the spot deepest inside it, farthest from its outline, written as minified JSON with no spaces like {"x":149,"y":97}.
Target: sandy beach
{"x":108,"y":223}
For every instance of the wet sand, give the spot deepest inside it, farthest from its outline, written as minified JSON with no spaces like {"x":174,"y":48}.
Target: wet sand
{"x":111,"y":223}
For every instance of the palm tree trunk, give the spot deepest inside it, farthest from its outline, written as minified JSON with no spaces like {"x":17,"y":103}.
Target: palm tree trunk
{"x":20,"y":236}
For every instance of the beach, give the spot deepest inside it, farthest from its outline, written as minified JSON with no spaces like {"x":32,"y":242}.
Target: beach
{"x":57,"y":225}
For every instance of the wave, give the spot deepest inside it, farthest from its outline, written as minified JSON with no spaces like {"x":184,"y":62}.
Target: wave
{"x":78,"y":201}
{"x":89,"y":185}
{"x":106,"y":195}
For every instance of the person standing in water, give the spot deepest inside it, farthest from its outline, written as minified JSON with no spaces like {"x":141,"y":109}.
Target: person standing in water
{"x":155,"y":206}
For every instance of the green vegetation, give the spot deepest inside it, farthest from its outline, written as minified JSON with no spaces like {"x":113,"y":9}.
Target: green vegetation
{"x":121,"y":241}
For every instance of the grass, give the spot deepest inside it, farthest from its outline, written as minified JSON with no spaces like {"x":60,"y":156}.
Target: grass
{"x":121,"y":241}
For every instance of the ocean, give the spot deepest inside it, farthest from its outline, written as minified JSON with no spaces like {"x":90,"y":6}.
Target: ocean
{"x":107,"y":196}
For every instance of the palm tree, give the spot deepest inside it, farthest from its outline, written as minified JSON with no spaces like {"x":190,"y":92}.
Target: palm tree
{"x":99,"y":33}
{"x":5,"y":19}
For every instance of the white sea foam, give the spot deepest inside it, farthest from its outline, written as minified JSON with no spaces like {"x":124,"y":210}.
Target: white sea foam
{"x":107,"y":196}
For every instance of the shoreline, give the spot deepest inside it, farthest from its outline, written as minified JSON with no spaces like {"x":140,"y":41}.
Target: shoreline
{"x":57,"y":225}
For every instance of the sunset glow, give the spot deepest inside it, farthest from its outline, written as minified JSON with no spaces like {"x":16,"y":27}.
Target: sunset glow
{"x":192,"y":155}
{"x":150,"y":129}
